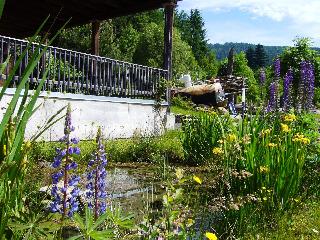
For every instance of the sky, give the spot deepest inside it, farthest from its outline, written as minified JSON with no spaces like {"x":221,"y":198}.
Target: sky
{"x":268,"y":22}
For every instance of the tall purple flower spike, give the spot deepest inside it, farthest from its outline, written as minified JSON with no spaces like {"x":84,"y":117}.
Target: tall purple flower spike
{"x":272,"y":104}
{"x":287,"y":87}
{"x":96,"y":187}
{"x":306,"y":84}
{"x":262,"y":77}
{"x":66,"y":202}
{"x":277,"y":68}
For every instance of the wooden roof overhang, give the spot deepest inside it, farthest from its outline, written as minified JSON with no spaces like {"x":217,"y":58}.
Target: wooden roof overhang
{"x":21,"y":18}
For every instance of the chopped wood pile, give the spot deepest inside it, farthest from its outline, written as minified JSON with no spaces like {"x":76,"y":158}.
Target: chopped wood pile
{"x":231,"y":84}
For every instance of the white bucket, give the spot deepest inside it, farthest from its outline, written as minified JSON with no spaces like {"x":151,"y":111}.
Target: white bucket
{"x":187,"y":80}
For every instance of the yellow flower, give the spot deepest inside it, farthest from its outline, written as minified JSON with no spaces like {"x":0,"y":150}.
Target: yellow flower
{"x":290,"y":118}
{"x":220,"y":141}
{"x":265,"y":132}
{"x":301,"y":139}
{"x":190,"y":222}
{"x":231,"y":137}
{"x":264,"y":169}
{"x":197,"y":179}
{"x":211,"y":236}
{"x":263,"y":188}
{"x":217,"y":150}
{"x":179,"y":173}
{"x":264,"y":199}
{"x":246,"y":139}
{"x":272,"y":145}
{"x":285,"y":128}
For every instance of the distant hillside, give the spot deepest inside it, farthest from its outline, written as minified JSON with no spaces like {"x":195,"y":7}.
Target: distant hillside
{"x":222,"y":50}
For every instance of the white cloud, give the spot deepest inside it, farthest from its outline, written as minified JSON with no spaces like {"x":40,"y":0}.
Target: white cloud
{"x":302,"y":16}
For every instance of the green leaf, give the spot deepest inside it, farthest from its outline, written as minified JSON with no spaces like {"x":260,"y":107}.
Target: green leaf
{"x":4,"y":65}
{"x":100,"y":220}
{"x":75,"y":237}
{"x":89,"y":218}
{"x":2,"y":2}
{"x":102,"y":235}
{"x":79,"y":221}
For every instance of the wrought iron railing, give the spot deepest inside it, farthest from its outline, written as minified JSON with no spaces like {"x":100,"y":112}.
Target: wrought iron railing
{"x":76,"y":72}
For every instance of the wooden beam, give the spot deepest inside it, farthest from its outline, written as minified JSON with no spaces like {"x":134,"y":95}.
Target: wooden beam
{"x":95,"y":37}
{"x":168,"y":31}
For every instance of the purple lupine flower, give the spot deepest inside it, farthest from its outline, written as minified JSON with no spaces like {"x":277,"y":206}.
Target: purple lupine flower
{"x":287,"y":85}
{"x":62,"y":202}
{"x":262,"y":77}
{"x":276,"y":65}
{"x":310,"y":85}
{"x":272,"y":104}
{"x":306,"y":85}
{"x":96,"y":187}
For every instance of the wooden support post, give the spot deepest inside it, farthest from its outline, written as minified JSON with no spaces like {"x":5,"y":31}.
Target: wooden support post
{"x":168,"y":30}
{"x":95,"y":36}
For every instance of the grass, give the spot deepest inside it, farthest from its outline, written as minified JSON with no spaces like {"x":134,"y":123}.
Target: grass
{"x":136,"y":149}
{"x":184,"y":111}
{"x":300,"y":223}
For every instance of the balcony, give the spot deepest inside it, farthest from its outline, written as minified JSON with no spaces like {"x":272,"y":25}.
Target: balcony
{"x":75,"y":72}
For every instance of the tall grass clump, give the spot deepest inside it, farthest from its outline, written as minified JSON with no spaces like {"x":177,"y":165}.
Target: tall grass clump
{"x":13,"y":147}
{"x":200,"y":134}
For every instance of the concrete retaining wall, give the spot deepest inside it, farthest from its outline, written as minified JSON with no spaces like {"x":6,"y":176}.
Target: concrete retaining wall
{"x":118,"y":117}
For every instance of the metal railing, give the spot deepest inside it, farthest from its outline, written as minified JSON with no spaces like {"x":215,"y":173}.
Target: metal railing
{"x":76,"y":72}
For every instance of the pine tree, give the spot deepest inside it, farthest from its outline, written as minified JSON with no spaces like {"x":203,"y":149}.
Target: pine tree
{"x":197,"y":39}
{"x":250,"y":55}
{"x":260,"y":56}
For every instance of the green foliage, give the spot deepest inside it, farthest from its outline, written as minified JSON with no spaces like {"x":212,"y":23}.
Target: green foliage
{"x":139,"y":39}
{"x":201,"y":134}
{"x":197,"y":35}
{"x":242,"y":69}
{"x":193,"y":32}
{"x":250,"y":55}
{"x":13,"y":149}
{"x":138,"y":149}
{"x":260,"y":56}
{"x":222,"y":50}
{"x":257,"y":58}
{"x":178,"y":217}
{"x":317,"y":96}
{"x":302,"y":222}
{"x":63,"y":67}
{"x":182,"y":103}
{"x":293,"y":56}
{"x":107,"y":226}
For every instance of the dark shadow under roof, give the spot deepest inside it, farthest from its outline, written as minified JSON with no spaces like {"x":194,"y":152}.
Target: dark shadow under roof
{"x":21,"y":18}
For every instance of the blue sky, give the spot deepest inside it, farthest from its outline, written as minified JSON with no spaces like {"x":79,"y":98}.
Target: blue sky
{"x":269,"y":22}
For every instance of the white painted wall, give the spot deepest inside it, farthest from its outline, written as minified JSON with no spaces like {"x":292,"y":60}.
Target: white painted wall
{"x":118,"y":117}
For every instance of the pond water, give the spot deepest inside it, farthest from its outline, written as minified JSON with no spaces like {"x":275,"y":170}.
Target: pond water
{"x":134,"y":188}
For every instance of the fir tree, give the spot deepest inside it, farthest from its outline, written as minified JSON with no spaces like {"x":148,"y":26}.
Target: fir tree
{"x":260,"y":56}
{"x":250,"y":55}
{"x":197,"y":39}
